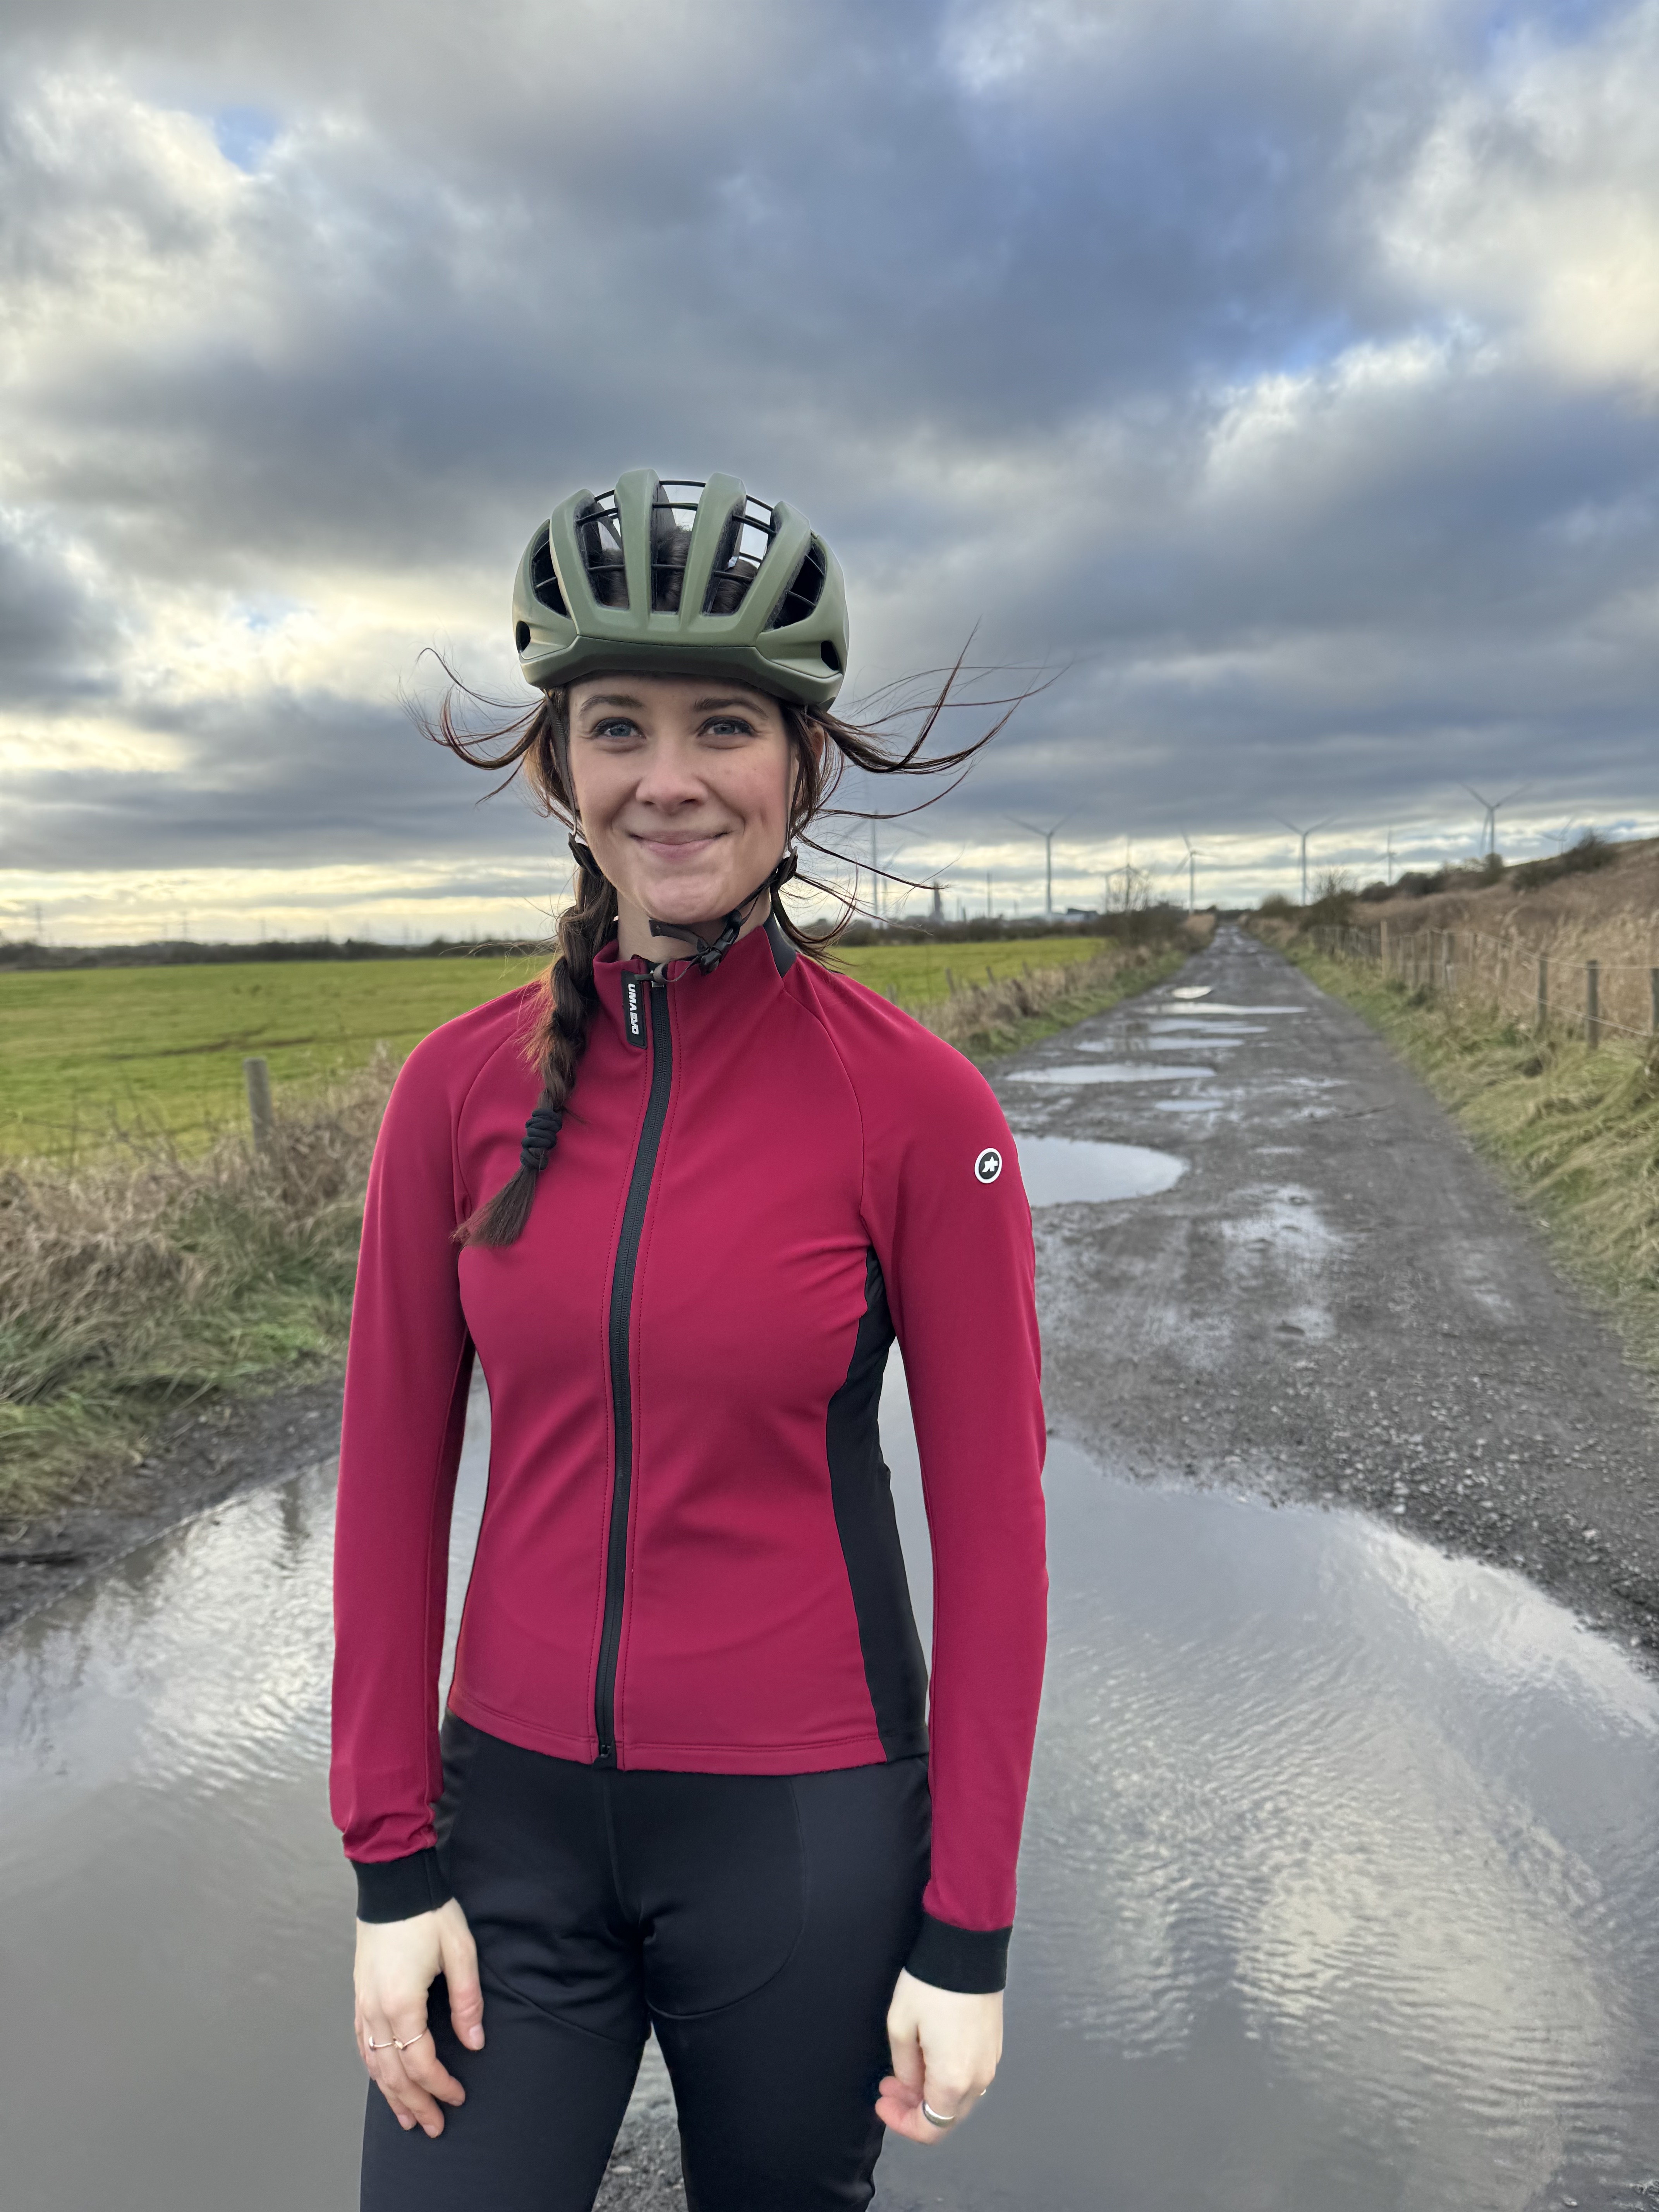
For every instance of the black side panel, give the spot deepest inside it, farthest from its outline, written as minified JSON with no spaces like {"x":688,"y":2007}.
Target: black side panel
{"x":784,"y":955}
{"x":858,"y":1483}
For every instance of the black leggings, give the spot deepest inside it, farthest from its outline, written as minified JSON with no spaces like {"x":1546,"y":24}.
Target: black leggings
{"x":757,"y":1922}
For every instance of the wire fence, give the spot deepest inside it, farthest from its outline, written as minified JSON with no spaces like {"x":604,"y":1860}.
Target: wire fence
{"x":1591,"y":998}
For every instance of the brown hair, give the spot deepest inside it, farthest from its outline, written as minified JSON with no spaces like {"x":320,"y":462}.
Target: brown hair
{"x":536,"y":744}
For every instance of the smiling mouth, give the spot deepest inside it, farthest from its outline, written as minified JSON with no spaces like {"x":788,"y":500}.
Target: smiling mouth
{"x":678,"y":848}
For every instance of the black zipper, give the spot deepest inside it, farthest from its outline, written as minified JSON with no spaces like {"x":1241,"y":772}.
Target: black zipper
{"x":621,"y":1393}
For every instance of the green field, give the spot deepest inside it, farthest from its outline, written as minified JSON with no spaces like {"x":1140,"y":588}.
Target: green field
{"x":159,"y":1050}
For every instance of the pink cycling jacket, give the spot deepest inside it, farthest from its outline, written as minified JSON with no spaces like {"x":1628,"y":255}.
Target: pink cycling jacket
{"x":688,"y":1557}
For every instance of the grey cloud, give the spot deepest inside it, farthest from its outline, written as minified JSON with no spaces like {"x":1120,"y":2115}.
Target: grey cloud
{"x":976,"y":286}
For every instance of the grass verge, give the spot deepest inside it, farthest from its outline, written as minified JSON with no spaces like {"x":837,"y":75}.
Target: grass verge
{"x":1574,"y":1133}
{"x":994,"y":1018}
{"x":155,"y":1279}
{"x":158,"y":1277}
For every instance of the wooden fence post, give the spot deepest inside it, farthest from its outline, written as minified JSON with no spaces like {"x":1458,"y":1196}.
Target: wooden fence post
{"x":1543,"y":1014}
{"x":1653,"y":999}
{"x":1382,"y":947}
{"x":257,"y":1077}
{"x":1448,"y":966}
{"x":1592,"y":1003}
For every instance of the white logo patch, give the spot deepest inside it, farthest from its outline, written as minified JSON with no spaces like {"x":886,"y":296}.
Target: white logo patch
{"x":988,"y":1166}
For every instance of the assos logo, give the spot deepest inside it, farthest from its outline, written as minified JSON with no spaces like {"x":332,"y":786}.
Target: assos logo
{"x":988,"y":1166}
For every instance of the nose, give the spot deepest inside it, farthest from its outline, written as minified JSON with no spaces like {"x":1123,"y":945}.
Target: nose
{"x":669,"y":777}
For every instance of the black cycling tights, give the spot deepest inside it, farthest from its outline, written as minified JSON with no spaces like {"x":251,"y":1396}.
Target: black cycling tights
{"x":757,"y":1923}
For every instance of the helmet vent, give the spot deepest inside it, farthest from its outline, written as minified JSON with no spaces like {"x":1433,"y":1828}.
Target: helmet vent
{"x":672,"y":521}
{"x":745,"y":543}
{"x":598,"y":534}
{"x":521,"y":636}
{"x":544,"y":582}
{"x":803,"y":593}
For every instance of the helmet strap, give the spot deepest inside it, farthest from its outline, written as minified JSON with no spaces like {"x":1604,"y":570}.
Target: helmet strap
{"x":709,"y":956}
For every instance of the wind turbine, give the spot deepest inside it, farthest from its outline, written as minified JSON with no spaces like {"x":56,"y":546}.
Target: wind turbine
{"x":1048,"y":837}
{"x":1489,"y":829}
{"x":875,"y":868}
{"x":1193,"y":858}
{"x":1305,"y":835}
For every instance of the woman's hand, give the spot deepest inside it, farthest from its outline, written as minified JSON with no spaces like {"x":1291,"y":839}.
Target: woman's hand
{"x":945,"y":2047}
{"x":398,"y":1961}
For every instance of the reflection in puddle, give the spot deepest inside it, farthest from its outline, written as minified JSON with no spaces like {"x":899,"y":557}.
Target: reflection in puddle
{"x":1114,"y":1071}
{"x":1070,"y":1170}
{"x":1338,"y":1889}
{"x":1162,"y":1025}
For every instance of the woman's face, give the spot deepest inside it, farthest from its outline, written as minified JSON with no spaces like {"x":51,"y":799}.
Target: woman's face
{"x":682,"y":788}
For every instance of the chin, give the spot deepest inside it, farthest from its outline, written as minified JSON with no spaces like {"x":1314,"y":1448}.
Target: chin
{"x":688,"y":902}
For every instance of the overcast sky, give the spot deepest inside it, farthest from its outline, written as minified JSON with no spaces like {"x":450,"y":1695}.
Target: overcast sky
{"x":1279,"y":377}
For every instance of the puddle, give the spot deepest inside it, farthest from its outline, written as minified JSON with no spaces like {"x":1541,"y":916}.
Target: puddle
{"x":1070,"y":1170}
{"x":1111,"y":1071}
{"x":1209,"y":1103}
{"x":1215,"y":1006}
{"x":1212,"y":1033}
{"x":1339,"y":1887}
{"x":1191,"y":991}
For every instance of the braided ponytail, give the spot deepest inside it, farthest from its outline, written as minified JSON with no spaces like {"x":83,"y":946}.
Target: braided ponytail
{"x":557,"y":1044}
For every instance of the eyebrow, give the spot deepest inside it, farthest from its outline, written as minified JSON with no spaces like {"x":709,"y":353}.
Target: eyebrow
{"x":749,"y":699}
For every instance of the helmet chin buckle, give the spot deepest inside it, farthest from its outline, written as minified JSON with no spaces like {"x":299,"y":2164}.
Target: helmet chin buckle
{"x":709,"y":956}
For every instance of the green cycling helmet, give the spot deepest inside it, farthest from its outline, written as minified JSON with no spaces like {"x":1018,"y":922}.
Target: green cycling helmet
{"x":677,"y":579}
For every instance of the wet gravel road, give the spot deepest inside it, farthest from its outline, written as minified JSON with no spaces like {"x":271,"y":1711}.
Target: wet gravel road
{"x":1337,"y":1300}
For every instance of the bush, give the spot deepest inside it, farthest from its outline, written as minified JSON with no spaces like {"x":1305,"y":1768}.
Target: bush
{"x":1334,"y":907}
{"x":1277,"y":907}
{"x":1582,"y":858}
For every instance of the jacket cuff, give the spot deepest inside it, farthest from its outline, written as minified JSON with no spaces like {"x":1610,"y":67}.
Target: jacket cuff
{"x":972,"y":1960}
{"x":398,"y":1889}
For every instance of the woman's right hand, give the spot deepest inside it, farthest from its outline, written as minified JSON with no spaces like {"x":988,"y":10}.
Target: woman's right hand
{"x":398,"y":1961}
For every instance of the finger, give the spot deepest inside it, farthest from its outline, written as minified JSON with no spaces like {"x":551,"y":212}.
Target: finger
{"x":422,"y":2066}
{"x":902,"y":2118}
{"x":900,"y":2108}
{"x":905,"y":2044}
{"x":395,"y":2082}
{"x":460,"y":1958}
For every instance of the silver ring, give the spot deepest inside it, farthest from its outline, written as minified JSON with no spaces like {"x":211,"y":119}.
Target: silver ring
{"x":938,"y":2119}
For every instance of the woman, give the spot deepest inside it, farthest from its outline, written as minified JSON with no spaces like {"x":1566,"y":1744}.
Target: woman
{"x":680,"y":1198}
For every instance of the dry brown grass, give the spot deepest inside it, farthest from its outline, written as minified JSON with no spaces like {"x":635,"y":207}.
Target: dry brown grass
{"x":1611,"y":917}
{"x":988,"y":1020}
{"x":152,"y":1280}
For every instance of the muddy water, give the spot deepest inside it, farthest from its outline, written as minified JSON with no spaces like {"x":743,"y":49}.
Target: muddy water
{"x":1079,"y":1170}
{"x":1339,"y":1888}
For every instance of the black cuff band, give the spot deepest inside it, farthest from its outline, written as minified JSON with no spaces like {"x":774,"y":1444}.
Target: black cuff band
{"x":972,"y":1961}
{"x":397,"y":1889}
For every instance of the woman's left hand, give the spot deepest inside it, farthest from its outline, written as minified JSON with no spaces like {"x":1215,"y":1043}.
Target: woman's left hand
{"x":945,"y":2047}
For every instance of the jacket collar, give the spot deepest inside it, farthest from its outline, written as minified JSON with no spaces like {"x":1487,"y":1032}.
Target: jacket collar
{"x":751,"y":972}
